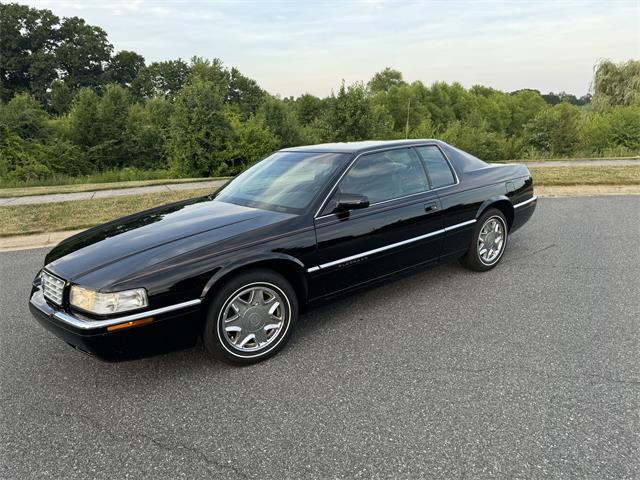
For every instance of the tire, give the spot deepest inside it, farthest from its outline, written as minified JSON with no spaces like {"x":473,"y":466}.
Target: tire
{"x":473,"y":259}
{"x":242,"y":329}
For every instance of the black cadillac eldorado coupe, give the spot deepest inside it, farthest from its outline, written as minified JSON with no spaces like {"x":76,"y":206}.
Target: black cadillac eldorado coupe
{"x":303,"y":225}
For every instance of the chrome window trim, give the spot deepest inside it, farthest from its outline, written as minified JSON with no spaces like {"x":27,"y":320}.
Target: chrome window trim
{"x":390,"y":246}
{"x":91,"y":324}
{"x":522,"y":204}
{"x":412,"y":146}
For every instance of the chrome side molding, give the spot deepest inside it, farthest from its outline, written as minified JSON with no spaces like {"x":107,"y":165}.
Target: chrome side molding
{"x":389,"y":247}
{"x":526,"y":202}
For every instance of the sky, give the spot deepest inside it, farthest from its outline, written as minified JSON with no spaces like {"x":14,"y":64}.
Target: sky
{"x":292,"y":47}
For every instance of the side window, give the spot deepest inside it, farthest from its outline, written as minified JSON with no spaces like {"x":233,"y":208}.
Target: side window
{"x":439,"y":171}
{"x":383,"y":176}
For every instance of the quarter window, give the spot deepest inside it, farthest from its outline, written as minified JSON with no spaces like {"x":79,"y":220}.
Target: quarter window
{"x":437,"y":166}
{"x":384,"y":176}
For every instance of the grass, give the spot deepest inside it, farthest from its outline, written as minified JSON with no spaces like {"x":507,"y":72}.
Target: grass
{"x":52,"y":217}
{"x":563,"y":176}
{"x":121,"y":175}
{"x":88,"y":187}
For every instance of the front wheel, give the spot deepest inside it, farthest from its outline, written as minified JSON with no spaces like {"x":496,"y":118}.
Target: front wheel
{"x":250,"y":318}
{"x":488,"y":243}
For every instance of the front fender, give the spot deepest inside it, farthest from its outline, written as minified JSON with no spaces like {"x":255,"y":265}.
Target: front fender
{"x":248,"y":261}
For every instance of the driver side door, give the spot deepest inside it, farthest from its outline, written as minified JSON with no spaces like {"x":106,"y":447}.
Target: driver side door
{"x":400,"y":228}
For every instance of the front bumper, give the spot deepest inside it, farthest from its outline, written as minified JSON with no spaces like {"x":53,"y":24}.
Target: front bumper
{"x":172,"y":328}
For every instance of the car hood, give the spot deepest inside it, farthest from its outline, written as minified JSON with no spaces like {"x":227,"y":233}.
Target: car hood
{"x":181,"y":226}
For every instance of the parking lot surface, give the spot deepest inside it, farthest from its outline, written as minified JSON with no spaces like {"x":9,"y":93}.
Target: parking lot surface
{"x":531,"y":370}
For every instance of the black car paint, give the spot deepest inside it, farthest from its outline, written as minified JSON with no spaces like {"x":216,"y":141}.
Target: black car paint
{"x":180,"y":252}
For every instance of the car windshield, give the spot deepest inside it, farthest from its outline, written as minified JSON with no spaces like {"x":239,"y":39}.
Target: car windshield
{"x":284,"y":181}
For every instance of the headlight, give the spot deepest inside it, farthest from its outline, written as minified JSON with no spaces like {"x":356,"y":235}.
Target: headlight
{"x":106,"y":303}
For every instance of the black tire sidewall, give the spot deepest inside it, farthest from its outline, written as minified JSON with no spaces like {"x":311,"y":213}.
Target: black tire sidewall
{"x":213,"y":338}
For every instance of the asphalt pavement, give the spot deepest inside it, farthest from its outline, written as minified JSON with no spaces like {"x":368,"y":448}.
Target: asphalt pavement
{"x":531,"y":370}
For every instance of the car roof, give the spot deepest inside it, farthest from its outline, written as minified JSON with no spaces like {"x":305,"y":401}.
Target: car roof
{"x":359,"y":147}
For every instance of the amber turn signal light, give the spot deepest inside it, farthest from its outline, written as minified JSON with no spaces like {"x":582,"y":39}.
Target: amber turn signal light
{"x":132,"y":323}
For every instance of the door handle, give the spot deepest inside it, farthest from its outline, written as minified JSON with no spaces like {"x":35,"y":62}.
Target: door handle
{"x":431,"y":207}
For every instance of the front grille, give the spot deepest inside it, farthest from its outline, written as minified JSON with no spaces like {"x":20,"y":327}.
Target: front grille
{"x":52,"y":287}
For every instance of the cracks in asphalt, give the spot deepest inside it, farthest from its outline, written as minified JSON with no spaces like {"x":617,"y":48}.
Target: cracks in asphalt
{"x":174,"y":447}
{"x":531,"y":254}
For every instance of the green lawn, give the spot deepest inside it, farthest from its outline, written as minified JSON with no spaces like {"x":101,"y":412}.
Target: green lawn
{"x":53,"y":217}
{"x":562,"y":176}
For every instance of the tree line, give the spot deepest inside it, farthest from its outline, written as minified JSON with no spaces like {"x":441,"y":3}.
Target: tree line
{"x":70,"y":105}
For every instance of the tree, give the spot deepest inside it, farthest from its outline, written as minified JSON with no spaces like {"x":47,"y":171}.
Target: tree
{"x":81,"y":53}
{"x":84,"y":130}
{"x":200,"y":132}
{"x":279,"y":118}
{"x":28,"y":41}
{"x":24,"y":116}
{"x":384,"y":80}
{"x":60,"y":97}
{"x":349,"y":116}
{"x":554,"y":130}
{"x":123,"y":68}
{"x":244,"y":94}
{"x":147,"y":132}
{"x":251,"y":141}
{"x":161,"y":79}
{"x":616,"y":83}
{"x":308,"y":108}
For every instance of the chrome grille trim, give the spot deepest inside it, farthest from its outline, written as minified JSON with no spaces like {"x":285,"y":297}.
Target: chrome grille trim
{"x":52,"y":287}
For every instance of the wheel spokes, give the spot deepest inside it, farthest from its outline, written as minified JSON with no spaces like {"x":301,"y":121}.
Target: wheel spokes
{"x":253,"y":318}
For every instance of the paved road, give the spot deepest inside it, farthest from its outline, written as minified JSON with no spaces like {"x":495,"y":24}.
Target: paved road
{"x":528,"y":371}
{"x":118,"y":192}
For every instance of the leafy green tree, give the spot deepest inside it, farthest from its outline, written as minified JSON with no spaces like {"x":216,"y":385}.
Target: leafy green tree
{"x":308,"y":108}
{"x":200,"y":132}
{"x":349,"y":115}
{"x":111,"y":115}
{"x":280,"y":119}
{"x":81,"y":53}
{"x":24,"y":116}
{"x":20,"y":159}
{"x":211,"y":71}
{"x":161,"y":79}
{"x":123,"y":68}
{"x":244,"y":94}
{"x":147,"y":132}
{"x":251,"y":141}
{"x":60,"y":97}
{"x":83,"y":127}
{"x":616,"y":83}
{"x":477,"y":140}
{"x":28,"y":39}
{"x":554,"y":130}
{"x":615,"y":131}
{"x":62,"y":156}
{"x":386,"y":79}
{"x":524,"y":105}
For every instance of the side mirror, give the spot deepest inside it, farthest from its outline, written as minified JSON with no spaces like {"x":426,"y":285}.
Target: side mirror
{"x":351,"y":201}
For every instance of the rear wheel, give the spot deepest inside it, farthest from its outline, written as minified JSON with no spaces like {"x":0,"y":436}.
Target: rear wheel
{"x":250,"y":318}
{"x":488,"y":243}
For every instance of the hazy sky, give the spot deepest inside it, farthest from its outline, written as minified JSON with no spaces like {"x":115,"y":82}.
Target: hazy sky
{"x":291,"y":47}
